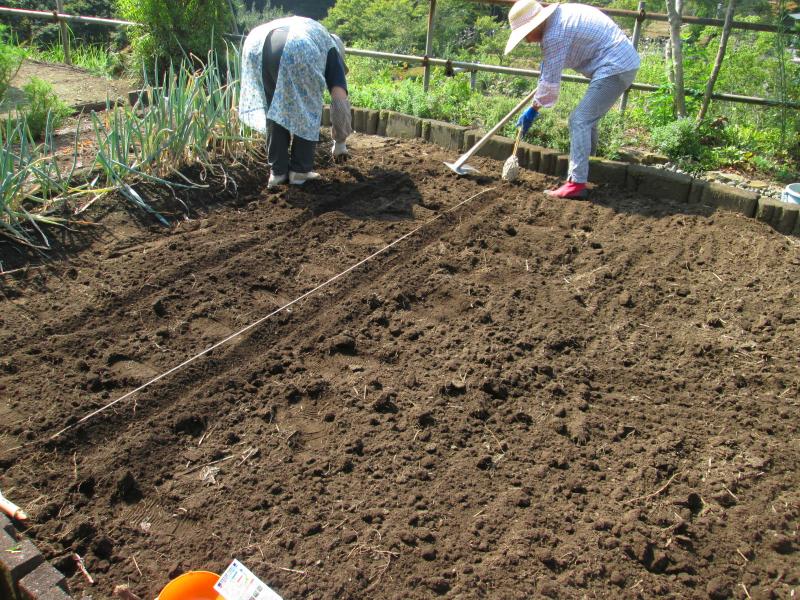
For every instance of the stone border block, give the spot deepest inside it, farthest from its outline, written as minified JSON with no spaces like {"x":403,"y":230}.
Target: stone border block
{"x":548,"y":161}
{"x":446,"y":135}
{"x":383,"y":118}
{"x":6,"y":525}
{"x":399,"y":125}
{"x":562,"y":165}
{"x":17,"y":559}
{"x":365,"y":120}
{"x":697,"y":190}
{"x":610,"y":172}
{"x":497,"y":147}
{"x":532,"y":155}
{"x":45,"y":582}
{"x":731,"y":198}
{"x":471,"y":136}
{"x":326,"y":116}
{"x":659,"y":183}
{"x":782,"y":216}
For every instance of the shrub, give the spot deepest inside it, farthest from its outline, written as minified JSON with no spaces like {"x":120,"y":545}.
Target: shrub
{"x":249,"y":15}
{"x":679,"y":139}
{"x":44,"y":109}
{"x":10,"y":60}
{"x":175,"y":29}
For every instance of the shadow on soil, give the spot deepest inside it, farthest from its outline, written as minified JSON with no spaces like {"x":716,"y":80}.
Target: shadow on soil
{"x":378,"y":195}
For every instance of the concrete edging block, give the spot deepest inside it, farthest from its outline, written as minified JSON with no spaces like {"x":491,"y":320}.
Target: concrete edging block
{"x":326,"y":116}
{"x":562,"y":165}
{"x":532,"y":154}
{"x":446,"y":135}
{"x":659,"y":183}
{"x":17,"y":564}
{"x":498,"y":147}
{"x":383,"y":117}
{"x":781,"y":216}
{"x":696,"y":191}
{"x":365,"y":120}
{"x":45,"y":582}
{"x":731,"y":198}
{"x":399,"y":125}
{"x":471,"y":136}
{"x":608,"y":171}
{"x":548,"y":161}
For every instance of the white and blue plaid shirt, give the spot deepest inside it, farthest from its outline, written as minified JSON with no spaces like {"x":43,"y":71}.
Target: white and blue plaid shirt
{"x":581,"y":38}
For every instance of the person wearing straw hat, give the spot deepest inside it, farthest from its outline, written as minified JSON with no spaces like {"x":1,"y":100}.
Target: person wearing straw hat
{"x":286,"y":66}
{"x":582,"y":38}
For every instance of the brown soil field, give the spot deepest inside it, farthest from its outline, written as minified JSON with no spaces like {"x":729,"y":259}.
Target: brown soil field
{"x":526,"y":397}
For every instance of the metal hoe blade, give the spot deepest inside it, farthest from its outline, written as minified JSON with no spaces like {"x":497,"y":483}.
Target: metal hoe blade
{"x":462,"y":169}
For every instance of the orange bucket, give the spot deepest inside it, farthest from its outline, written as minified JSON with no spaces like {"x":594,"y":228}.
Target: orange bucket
{"x":194,"y":585}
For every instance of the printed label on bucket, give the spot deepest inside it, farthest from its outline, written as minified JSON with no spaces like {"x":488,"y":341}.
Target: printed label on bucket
{"x":238,"y":583}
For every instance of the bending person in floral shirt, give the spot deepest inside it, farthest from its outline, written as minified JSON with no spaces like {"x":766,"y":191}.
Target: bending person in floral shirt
{"x":578,"y":37}
{"x":286,"y":66}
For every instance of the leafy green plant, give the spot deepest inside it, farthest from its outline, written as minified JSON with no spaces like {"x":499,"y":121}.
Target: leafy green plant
{"x":11,"y":57}
{"x":32,"y":185}
{"x":175,"y":29}
{"x":189,"y":119}
{"x":43,"y":108}
{"x":679,"y":139}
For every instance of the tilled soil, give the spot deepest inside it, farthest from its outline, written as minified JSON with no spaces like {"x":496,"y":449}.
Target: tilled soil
{"x":527,"y":397}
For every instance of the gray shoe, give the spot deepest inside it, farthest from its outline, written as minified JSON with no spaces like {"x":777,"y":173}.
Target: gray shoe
{"x":301,"y":178}
{"x":276,"y":180}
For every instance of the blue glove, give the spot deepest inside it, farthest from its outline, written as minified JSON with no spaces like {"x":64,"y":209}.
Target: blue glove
{"x":527,"y":118}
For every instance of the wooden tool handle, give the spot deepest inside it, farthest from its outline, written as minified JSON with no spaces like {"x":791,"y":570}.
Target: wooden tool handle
{"x":516,"y":142}
{"x":11,"y":509}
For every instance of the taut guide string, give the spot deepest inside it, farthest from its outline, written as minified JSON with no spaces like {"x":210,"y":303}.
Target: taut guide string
{"x":264,"y":318}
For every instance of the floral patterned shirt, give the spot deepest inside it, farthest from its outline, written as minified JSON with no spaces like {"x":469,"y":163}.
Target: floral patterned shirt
{"x":297,"y":102}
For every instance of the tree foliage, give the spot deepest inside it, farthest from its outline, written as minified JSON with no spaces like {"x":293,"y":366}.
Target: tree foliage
{"x":401,"y":25}
{"x":43,"y":32}
{"x":175,"y":29}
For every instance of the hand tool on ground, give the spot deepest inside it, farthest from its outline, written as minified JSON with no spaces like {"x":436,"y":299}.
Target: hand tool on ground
{"x":460,"y":167}
{"x":12,"y":510}
{"x":511,"y":166}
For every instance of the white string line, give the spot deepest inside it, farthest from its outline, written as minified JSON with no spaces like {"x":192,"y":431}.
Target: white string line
{"x":264,"y":318}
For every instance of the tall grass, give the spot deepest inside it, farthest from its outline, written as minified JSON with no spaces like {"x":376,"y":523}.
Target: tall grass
{"x":97,"y":59}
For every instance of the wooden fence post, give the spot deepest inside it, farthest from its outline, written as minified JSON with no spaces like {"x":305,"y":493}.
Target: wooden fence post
{"x":426,"y":80}
{"x":64,"y":33}
{"x":637,"y":34}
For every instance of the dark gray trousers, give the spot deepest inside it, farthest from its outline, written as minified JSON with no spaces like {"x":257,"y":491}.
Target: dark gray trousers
{"x":284,"y":151}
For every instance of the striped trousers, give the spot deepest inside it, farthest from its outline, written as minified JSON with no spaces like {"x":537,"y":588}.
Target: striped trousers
{"x":599,"y":98}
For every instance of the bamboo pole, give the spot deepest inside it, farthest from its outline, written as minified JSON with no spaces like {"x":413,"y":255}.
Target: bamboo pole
{"x":619,"y":12}
{"x":41,"y":14}
{"x":637,"y":34}
{"x":426,"y":81}
{"x":64,"y":32}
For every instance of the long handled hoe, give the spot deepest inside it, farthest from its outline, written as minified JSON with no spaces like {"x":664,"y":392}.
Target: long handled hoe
{"x":460,"y":167}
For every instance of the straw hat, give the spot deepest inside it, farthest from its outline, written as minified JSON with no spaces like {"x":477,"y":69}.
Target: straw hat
{"x":524,"y":17}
